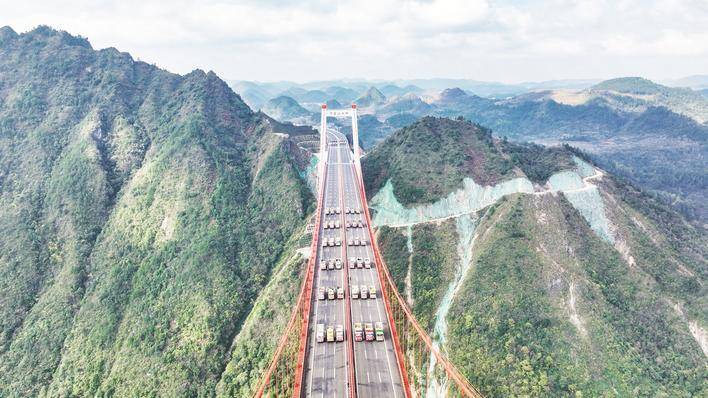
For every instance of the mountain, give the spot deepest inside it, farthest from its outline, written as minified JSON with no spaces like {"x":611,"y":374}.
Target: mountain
{"x":142,"y":214}
{"x":315,"y":96}
{"x":633,"y":127}
{"x":256,"y":94}
{"x":696,"y":82}
{"x":371,"y":98}
{"x":333,"y":104}
{"x":405,"y":104}
{"x":286,"y":109}
{"x":341,"y":94}
{"x":392,"y":90}
{"x":623,"y":93}
{"x":536,"y":272}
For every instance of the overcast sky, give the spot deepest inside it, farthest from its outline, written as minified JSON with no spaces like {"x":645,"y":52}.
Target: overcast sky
{"x":503,"y":40}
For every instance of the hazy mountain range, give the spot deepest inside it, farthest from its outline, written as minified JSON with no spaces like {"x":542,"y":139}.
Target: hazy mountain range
{"x":655,"y":135}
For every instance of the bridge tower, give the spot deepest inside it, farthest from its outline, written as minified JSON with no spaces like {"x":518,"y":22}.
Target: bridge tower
{"x":353,"y":113}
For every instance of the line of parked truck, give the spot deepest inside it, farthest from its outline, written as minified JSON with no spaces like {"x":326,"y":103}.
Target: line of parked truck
{"x":330,"y":264}
{"x":331,"y":242}
{"x":332,"y":224}
{"x":359,"y":262}
{"x":357,"y":242}
{"x":330,"y":293}
{"x":363,"y":331}
{"x":329,"y":333}
{"x":363,"y":291}
{"x":336,"y":210}
{"x":368,"y":331}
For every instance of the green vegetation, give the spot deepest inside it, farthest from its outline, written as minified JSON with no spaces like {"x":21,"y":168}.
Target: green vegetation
{"x":430,"y":158}
{"x":432,"y":264}
{"x":142,"y":213}
{"x":549,"y":308}
{"x":512,"y":330}
{"x":254,"y":345}
{"x":392,"y":244}
{"x":651,"y":134}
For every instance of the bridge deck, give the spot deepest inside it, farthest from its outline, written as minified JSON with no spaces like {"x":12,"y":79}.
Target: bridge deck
{"x":327,"y":365}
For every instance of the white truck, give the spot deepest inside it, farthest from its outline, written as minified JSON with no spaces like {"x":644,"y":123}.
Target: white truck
{"x":320,"y":332}
{"x":379,"y":331}
{"x":339,"y":333}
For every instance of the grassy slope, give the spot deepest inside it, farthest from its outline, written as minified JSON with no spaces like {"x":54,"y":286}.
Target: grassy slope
{"x":139,"y":221}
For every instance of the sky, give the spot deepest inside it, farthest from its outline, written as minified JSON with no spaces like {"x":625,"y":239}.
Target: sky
{"x":503,"y":40}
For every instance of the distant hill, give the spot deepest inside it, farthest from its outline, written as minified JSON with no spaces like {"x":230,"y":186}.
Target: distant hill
{"x":372,"y":97}
{"x":392,"y":90}
{"x":537,"y":273}
{"x":333,"y":104}
{"x":286,"y":109}
{"x":636,"y":92}
{"x":696,"y":82}
{"x":408,"y":103}
{"x":341,"y":94}
{"x":630,"y":85}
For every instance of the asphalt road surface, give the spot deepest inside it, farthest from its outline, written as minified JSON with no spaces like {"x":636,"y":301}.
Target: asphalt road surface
{"x":375,"y":369}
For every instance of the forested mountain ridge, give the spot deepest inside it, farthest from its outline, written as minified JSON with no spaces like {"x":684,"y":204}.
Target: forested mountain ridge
{"x":141,"y":214}
{"x":536,"y":272}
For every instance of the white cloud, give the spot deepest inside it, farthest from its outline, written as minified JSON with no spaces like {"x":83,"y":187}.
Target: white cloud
{"x":504,"y":40}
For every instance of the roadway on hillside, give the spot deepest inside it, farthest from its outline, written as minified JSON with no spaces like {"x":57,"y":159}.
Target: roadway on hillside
{"x":376,"y":369}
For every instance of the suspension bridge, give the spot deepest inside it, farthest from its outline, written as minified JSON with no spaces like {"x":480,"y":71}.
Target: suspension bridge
{"x":351,"y":334}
